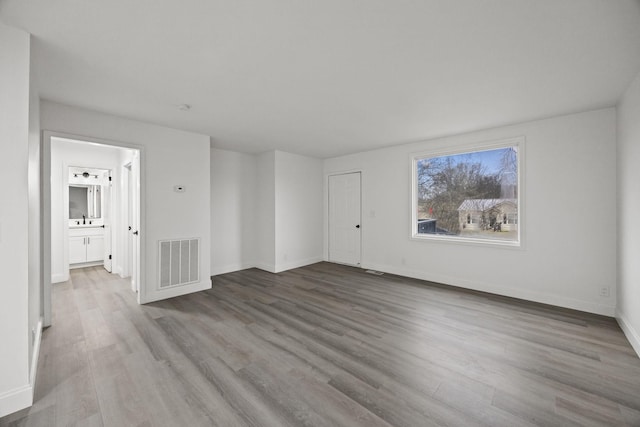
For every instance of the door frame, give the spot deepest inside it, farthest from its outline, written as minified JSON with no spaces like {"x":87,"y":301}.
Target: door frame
{"x":327,"y":213}
{"x":45,"y":191}
{"x":108,"y":223}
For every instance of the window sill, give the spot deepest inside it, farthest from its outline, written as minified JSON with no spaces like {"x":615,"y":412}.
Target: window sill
{"x":495,"y":243}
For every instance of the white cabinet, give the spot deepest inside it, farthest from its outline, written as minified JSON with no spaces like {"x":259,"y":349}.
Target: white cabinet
{"x":77,"y":250}
{"x":86,"y":245}
{"x":95,"y":248}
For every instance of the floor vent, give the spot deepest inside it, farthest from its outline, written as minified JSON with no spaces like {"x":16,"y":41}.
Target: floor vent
{"x":377,"y":273}
{"x":179,"y":262}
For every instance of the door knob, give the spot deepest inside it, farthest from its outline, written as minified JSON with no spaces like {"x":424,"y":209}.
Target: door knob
{"x":135,"y":233}
{"x":358,"y":226}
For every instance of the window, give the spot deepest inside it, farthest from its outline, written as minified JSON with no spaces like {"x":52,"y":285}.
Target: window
{"x":469,"y":195}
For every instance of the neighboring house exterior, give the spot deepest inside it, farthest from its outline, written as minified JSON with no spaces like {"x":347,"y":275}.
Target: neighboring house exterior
{"x":485,"y":214}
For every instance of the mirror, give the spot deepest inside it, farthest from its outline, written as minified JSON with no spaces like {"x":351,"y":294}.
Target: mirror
{"x":85,"y":200}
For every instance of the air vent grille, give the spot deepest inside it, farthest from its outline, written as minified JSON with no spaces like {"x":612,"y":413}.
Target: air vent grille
{"x":179,"y":262}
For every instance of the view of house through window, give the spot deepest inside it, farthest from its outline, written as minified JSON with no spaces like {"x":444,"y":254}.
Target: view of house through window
{"x":468,"y":195}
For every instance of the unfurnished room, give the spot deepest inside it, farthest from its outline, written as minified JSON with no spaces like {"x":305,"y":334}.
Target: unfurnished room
{"x":320,"y":213}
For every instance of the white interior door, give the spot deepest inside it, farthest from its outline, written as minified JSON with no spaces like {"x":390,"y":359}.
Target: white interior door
{"x":344,"y":218}
{"x":134,"y":188}
{"x":125,"y":203}
{"x":107,"y":213}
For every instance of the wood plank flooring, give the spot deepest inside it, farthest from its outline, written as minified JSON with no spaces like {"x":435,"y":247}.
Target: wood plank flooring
{"x":326,"y":345}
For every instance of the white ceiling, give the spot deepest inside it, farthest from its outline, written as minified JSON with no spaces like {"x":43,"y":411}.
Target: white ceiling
{"x":329,"y":77}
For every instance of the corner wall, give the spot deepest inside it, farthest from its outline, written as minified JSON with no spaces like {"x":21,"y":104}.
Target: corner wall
{"x":569,"y":250}
{"x":298,"y":207}
{"x":36,"y":274}
{"x":628,"y":310}
{"x":16,"y":392}
{"x":266,"y":211}
{"x":234,"y":211}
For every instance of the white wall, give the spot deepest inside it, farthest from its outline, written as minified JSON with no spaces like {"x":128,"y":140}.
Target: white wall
{"x":35,"y":219}
{"x":170,"y":157}
{"x":234,"y":213}
{"x":15,"y":390}
{"x":569,"y":216}
{"x":266,"y":212}
{"x":65,"y":153}
{"x":298,"y":210}
{"x":628,"y":312}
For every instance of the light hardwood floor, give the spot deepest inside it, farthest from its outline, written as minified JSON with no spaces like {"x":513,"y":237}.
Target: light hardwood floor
{"x":326,"y":345}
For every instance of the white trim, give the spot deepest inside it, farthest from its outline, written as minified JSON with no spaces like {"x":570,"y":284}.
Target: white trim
{"x":540,"y":297}
{"x":230,"y":268}
{"x":279,"y":268}
{"x":175,"y":291}
{"x":59,"y":278}
{"x":118,"y":270}
{"x":297,"y":264}
{"x":36,"y":354}
{"x":16,"y":399}
{"x":46,"y":208}
{"x":496,"y":243}
{"x":271,"y":268}
{"x":518,"y":141}
{"x":45,"y":232}
{"x":22,"y":397}
{"x":86,"y":264}
{"x":629,"y":331}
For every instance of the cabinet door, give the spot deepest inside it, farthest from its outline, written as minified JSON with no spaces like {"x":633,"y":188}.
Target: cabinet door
{"x":77,"y":250}
{"x":95,"y":248}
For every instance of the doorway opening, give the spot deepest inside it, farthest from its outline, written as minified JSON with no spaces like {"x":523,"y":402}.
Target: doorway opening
{"x":91,"y":210}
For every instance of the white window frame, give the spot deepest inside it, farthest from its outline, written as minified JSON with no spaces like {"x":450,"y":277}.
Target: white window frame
{"x":518,"y":142}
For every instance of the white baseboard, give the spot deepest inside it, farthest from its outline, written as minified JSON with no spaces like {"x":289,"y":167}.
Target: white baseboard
{"x":36,"y":354}
{"x":59,"y":278}
{"x":278,"y":268}
{"x":117,"y":270}
{"x":629,"y":331}
{"x":22,"y":397}
{"x":230,"y":268}
{"x":266,"y":267}
{"x":544,"y":298}
{"x":297,"y":264}
{"x":16,"y":399}
{"x":177,"y":291}
{"x":85,"y":264}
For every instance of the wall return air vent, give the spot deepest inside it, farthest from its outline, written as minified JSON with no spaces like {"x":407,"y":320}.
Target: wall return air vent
{"x":179,"y":262}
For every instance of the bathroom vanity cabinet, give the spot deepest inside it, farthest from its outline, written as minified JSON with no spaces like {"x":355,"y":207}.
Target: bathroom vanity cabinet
{"x":86,"y":245}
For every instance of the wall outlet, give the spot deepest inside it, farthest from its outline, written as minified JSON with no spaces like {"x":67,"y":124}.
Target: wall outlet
{"x":604,"y":291}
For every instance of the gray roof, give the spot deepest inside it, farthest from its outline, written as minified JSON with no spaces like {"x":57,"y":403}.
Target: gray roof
{"x":484,"y":204}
